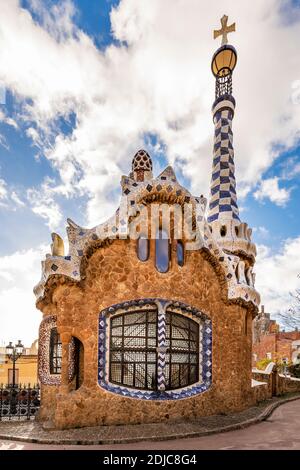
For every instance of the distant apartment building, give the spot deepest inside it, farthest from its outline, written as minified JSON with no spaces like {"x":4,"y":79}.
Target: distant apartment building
{"x":25,"y":368}
{"x":271,"y":343}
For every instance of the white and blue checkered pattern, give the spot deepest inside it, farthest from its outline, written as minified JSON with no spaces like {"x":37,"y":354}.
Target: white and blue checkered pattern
{"x":223,"y":199}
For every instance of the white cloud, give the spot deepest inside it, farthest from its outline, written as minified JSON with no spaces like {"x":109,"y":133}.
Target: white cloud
{"x":296,"y":92}
{"x":57,"y":19}
{"x":19,"y":272}
{"x":16,"y":199}
{"x":43,"y":204}
{"x":3,"y":190}
{"x":290,"y":168}
{"x":7,"y":120}
{"x":34,"y":136}
{"x":9,"y":198}
{"x":3,"y":142}
{"x":262,"y":232}
{"x":277,"y":275}
{"x":161,"y":83}
{"x":269,"y":189}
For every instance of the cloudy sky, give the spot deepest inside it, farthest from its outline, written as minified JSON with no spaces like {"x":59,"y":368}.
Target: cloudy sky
{"x":85,"y":83}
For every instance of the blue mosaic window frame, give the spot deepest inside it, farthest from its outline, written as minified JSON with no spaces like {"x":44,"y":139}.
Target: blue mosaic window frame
{"x":187,"y":392}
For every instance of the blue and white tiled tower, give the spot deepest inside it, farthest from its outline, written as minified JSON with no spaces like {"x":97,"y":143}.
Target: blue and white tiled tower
{"x":223,"y":217}
{"x":223,"y":201}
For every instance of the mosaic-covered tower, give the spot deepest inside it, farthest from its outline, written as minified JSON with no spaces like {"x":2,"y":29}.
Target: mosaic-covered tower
{"x":233,"y":235}
{"x":157,"y":326}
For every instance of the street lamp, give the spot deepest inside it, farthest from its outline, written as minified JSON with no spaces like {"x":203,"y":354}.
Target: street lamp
{"x":13,"y":353}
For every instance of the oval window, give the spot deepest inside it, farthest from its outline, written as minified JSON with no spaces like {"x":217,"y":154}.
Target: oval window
{"x":162,"y":251}
{"x":143,"y":248}
{"x":180,"y":253}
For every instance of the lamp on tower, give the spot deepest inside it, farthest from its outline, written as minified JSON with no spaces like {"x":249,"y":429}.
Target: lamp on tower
{"x":224,"y":60}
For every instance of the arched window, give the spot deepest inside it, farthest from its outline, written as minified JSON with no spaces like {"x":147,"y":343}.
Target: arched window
{"x":180,"y":253}
{"x":143,"y":248}
{"x":78,"y":363}
{"x":134,"y":350}
{"x":55,"y":352}
{"x":223,"y":231}
{"x":162,"y":251}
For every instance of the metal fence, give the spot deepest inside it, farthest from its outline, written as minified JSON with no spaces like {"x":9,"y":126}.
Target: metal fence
{"x":19,"y":402}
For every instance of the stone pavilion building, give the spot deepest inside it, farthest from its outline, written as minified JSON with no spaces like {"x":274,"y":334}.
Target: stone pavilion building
{"x":143,"y":323}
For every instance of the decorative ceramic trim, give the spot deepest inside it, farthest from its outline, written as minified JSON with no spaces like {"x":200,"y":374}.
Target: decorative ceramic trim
{"x":46,"y":378}
{"x":165,"y":187}
{"x":81,"y":240}
{"x":223,"y":200}
{"x":205,"y":350}
{"x":161,"y":357}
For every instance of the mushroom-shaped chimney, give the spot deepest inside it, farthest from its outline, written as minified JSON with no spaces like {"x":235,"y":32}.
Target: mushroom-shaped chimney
{"x":142,"y":166}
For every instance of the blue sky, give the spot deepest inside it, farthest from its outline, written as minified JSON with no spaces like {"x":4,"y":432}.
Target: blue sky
{"x":87,"y":83}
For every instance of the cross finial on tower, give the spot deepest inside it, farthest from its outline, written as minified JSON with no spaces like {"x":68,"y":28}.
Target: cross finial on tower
{"x":224,"y":30}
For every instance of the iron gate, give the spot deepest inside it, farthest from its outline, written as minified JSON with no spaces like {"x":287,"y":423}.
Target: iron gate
{"x":19,"y":402}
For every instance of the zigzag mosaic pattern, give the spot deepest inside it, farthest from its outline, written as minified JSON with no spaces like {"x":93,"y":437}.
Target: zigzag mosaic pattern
{"x":223,"y":200}
{"x":161,"y":360}
{"x":205,"y":351}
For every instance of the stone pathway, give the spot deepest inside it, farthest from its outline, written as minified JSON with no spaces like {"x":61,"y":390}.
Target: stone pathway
{"x":32,"y":432}
{"x":280,"y":432}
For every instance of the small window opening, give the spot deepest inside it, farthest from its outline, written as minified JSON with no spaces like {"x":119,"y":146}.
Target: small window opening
{"x":223,"y":231}
{"x":143,"y":248}
{"x":180,"y":253}
{"x":162,"y":251}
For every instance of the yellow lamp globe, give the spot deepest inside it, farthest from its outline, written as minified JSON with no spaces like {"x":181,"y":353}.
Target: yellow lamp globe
{"x":224,"y":61}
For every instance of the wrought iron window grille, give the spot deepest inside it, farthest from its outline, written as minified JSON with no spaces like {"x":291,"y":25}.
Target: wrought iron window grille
{"x":134,"y":350}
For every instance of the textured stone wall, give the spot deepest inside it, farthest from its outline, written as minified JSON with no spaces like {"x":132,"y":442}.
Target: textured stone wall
{"x":268,"y":379}
{"x":114,"y":274}
{"x":261,"y":392}
{"x":48,"y":400}
{"x":287,"y":385}
{"x":276,"y":385}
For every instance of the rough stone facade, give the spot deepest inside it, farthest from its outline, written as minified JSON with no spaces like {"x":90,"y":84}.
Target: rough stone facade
{"x":114,"y":274}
